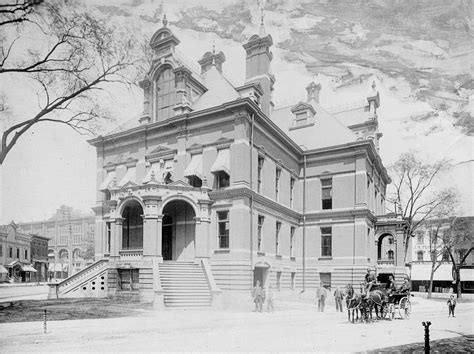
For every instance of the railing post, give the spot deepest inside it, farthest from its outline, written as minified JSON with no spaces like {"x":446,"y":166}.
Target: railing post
{"x":44,"y":318}
{"x":427,"y":336}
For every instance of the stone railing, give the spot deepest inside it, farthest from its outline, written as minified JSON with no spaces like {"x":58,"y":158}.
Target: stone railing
{"x":385,"y":261}
{"x":131,"y":255}
{"x":62,"y":287}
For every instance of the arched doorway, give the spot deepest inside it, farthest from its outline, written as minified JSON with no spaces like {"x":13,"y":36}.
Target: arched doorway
{"x":178,"y":231}
{"x":132,"y":229}
{"x":385,"y":248}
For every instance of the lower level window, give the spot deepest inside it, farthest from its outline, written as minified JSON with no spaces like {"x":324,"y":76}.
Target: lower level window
{"x":195,"y":181}
{"x":128,"y":279}
{"x":222,"y":180}
{"x":223,"y":222}
{"x":326,"y":242}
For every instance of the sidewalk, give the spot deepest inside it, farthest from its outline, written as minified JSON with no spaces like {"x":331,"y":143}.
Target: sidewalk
{"x":462,"y":344}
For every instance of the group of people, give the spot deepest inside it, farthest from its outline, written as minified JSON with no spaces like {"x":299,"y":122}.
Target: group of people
{"x":322,"y":293}
{"x":261,"y":296}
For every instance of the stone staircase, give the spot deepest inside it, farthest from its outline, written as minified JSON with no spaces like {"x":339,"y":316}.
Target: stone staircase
{"x":89,"y":282}
{"x":184,"y":285}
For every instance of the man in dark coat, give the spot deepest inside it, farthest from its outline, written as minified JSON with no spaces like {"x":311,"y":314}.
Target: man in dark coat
{"x":369,"y":280}
{"x":258,"y":298}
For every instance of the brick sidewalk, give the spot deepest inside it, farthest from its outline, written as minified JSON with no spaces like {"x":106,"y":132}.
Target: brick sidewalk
{"x":462,"y":344}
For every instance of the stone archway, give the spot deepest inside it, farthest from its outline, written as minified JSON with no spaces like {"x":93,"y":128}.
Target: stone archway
{"x":132,"y":226}
{"x":178,"y":231}
{"x":385,"y":248}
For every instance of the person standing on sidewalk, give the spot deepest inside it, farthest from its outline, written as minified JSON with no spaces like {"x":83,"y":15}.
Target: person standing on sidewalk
{"x":338,"y":296}
{"x":451,"y":305}
{"x":321,"y":293}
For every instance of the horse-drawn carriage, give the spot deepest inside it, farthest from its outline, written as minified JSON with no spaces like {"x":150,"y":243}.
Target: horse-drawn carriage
{"x":380,"y":300}
{"x":397,"y":302}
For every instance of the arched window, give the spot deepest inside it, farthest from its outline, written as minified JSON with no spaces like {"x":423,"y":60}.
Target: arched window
{"x":390,"y":255}
{"x":419,"y":256}
{"x":165,"y":95}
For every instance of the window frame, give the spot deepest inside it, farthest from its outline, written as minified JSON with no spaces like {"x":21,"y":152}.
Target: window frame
{"x":326,"y":248}
{"x":292,"y":190}
{"x":260,"y":222}
{"x":260,"y":163}
{"x":224,"y":221}
{"x":277,"y":237}
{"x":277,"y":183}
{"x":326,"y":203}
{"x":292,"y":240}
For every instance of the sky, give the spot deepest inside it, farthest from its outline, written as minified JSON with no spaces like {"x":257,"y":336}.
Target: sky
{"x":52,"y":165}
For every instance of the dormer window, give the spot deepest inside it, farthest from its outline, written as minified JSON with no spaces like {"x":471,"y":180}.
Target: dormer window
{"x":165,"y":93}
{"x":301,"y":118}
{"x":303,"y":114}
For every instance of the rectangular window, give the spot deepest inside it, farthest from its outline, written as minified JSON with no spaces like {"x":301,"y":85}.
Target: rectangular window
{"x":278,"y":281}
{"x":10,"y":252}
{"x":261,"y":219}
{"x":326,"y":242}
{"x":292,"y":188}
{"x":222,"y":180}
{"x":326,"y":192}
{"x":26,"y":254}
{"x":325,"y":279}
{"x":301,"y":118}
{"x":224,"y":227}
{"x":1,"y":250}
{"x":419,"y":238}
{"x":277,"y":183}
{"x":109,"y":235}
{"x":18,"y":253}
{"x":259,"y":174}
{"x":277,"y":237}
{"x":293,"y":276}
{"x":292,"y":241}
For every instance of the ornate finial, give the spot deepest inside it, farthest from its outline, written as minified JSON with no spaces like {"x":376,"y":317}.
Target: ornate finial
{"x":262,"y":32}
{"x":373,"y":85}
{"x":165,"y":21}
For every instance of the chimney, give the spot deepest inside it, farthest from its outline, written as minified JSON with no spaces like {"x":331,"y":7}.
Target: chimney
{"x":258,"y":60}
{"x":209,"y":59}
{"x":313,"y":92}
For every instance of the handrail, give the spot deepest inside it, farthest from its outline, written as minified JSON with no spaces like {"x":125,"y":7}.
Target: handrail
{"x":81,"y":273}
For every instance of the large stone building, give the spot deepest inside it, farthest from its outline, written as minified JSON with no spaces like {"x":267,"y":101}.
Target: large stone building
{"x":23,"y":257}
{"x":214,"y":182}
{"x":71,"y":246}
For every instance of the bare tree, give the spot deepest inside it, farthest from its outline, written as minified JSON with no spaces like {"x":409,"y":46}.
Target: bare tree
{"x":78,"y":58}
{"x":461,"y":230}
{"x":414,"y":192}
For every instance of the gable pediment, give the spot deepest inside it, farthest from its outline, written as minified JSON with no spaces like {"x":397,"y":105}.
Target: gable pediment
{"x":303,"y":106}
{"x":180,"y":184}
{"x":129,"y":184}
{"x":160,"y":149}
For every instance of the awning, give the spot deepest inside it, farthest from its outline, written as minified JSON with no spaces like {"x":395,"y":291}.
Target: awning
{"x":222,"y":162}
{"x":27,"y":268}
{"x":130,"y":176}
{"x":262,"y":265}
{"x":195,"y":167}
{"x":108,"y":179}
{"x":154,"y":169}
{"x":3,"y":270}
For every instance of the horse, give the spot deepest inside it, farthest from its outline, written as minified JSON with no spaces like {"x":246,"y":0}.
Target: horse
{"x":375,"y":299}
{"x":354,"y":303}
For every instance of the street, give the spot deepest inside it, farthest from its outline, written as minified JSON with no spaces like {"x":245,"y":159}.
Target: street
{"x":292,"y":327}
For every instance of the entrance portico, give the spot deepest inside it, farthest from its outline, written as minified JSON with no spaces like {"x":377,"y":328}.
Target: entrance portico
{"x":158,"y":221}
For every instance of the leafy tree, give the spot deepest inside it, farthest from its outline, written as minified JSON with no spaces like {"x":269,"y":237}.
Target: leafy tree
{"x":67,"y":56}
{"x":414,"y":193}
{"x":461,"y":230}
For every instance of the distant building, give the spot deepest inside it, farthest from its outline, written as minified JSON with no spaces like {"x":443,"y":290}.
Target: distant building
{"x":72,"y":240}
{"x":443,"y":277}
{"x":23,"y":257}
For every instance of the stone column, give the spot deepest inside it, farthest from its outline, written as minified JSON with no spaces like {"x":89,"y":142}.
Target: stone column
{"x":116,"y":239}
{"x":202,"y":238}
{"x":152,"y":227}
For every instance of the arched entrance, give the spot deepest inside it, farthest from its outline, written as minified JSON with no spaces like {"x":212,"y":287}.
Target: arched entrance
{"x":178,"y":231}
{"x":132,"y":229}
{"x":385,"y":248}
{"x":260,"y":273}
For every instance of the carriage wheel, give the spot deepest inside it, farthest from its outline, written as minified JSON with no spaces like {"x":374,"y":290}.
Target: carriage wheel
{"x":405,"y":308}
